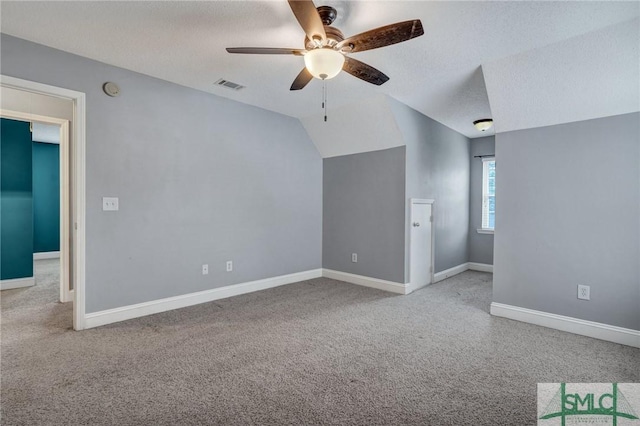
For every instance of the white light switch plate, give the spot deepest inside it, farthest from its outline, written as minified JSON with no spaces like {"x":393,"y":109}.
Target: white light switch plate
{"x":109,"y":203}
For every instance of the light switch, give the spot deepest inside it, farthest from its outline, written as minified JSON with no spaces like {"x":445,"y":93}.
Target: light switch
{"x":109,"y":203}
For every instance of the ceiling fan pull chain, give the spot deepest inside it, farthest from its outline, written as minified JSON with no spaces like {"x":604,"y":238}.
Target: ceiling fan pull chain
{"x":324,"y":102}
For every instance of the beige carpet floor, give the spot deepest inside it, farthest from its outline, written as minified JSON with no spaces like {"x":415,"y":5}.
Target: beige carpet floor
{"x":315,"y":352}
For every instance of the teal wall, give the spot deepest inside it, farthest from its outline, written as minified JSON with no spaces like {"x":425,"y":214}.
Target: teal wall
{"x":16,"y":200}
{"x":46,"y":197}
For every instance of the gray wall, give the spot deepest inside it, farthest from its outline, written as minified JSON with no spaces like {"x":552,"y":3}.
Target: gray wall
{"x":363,"y":213}
{"x":201,"y":179}
{"x":568,"y":197}
{"x":480,"y":245}
{"x":437,"y":167}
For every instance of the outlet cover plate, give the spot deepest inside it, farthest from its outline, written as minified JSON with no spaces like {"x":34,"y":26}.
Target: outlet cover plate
{"x":109,"y":204}
{"x":584,"y":292}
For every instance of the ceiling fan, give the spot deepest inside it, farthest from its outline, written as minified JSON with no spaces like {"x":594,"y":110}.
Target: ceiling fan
{"x":326,"y":49}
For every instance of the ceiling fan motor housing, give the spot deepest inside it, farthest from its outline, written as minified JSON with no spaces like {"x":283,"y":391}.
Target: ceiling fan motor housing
{"x":334,"y":36}
{"x":327,"y":14}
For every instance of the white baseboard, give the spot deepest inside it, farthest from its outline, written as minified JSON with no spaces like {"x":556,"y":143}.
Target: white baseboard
{"x":391,"y":286}
{"x":96,"y":319}
{"x":482,"y":267}
{"x":68,"y":297}
{"x":623,"y":336}
{"x":410,"y":288}
{"x":448,"y":273}
{"x":17,"y":283}
{"x":46,"y":255}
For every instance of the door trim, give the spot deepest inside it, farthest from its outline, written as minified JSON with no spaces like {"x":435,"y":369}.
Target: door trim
{"x":77,"y":145}
{"x":413,"y":201}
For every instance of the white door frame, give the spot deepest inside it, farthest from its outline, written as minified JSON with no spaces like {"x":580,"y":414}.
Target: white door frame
{"x":77,"y":167}
{"x":413,"y":201}
{"x":65,"y":294}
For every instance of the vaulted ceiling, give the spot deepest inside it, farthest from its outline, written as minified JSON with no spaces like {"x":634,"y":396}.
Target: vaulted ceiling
{"x":525,"y":63}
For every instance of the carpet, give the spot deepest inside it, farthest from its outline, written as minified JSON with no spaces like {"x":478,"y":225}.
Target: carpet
{"x":315,"y":352}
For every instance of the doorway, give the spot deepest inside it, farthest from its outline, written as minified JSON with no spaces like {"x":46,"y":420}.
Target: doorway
{"x":72,"y":180}
{"x":421,"y":253}
{"x":47,"y":243}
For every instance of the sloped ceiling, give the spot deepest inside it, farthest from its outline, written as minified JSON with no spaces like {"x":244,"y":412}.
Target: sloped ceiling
{"x":367,"y":125}
{"x":540,"y":87}
{"x":438,"y":74}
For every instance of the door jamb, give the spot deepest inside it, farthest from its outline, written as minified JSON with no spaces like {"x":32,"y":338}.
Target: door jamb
{"x":431,"y":201}
{"x":78,"y":195}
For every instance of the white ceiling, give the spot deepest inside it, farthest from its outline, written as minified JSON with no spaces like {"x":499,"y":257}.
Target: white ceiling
{"x":538,"y":87}
{"x":438,"y":74}
{"x":47,"y":133}
{"x":367,"y":125}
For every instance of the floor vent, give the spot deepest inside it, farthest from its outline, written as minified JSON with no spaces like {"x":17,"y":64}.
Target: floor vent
{"x":229,"y":84}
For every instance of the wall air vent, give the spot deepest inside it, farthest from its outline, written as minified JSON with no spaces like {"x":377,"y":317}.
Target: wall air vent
{"x":229,"y":84}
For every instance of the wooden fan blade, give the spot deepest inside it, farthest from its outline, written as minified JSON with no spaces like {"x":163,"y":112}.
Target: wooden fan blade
{"x":383,"y":36}
{"x":266,"y":50}
{"x":309,"y":19}
{"x":364,"y":72}
{"x":301,"y":80}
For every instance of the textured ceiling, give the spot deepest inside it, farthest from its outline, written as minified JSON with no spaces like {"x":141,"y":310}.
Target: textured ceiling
{"x":367,"y":125}
{"x":539,"y":87}
{"x":438,"y":74}
{"x":48,"y":133}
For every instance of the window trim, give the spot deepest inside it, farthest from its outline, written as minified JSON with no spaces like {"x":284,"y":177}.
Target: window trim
{"x":485,"y":183}
{"x":485,"y":231}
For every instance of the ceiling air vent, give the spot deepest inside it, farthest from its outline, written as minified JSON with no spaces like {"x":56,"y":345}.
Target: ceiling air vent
{"x":229,"y":84}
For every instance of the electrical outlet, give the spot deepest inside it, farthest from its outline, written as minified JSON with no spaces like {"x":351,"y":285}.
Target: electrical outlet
{"x":584,"y":292}
{"x":109,"y":203}
{"x":229,"y":265}
{"x":354,"y":257}
{"x":205,"y":269}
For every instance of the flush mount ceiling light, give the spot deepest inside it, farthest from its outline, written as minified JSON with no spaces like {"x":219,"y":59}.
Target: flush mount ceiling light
{"x":324,"y":63}
{"x":483,"y":124}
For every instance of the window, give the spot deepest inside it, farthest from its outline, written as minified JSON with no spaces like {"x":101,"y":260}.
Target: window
{"x":488,"y":194}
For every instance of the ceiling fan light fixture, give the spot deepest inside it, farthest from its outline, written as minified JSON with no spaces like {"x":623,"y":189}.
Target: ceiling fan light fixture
{"x":324,"y":63}
{"x":483,"y":124}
